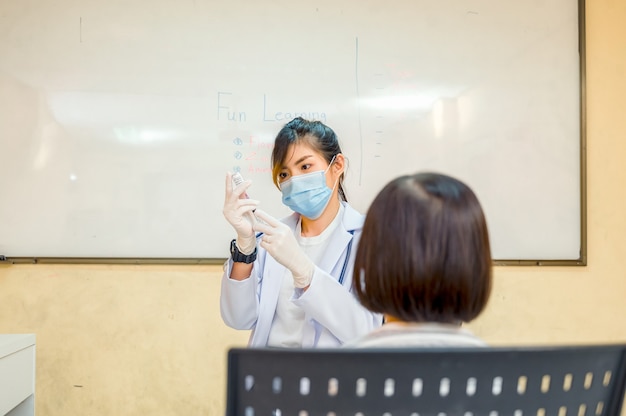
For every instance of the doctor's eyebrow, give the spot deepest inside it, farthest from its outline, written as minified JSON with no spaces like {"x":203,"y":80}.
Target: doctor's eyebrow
{"x":297,"y":162}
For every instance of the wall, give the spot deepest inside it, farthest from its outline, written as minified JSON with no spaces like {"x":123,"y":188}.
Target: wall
{"x":149,"y":340}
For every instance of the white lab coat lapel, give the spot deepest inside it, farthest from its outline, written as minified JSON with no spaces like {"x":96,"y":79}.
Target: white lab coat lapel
{"x":340,"y":239}
{"x":335,"y":250}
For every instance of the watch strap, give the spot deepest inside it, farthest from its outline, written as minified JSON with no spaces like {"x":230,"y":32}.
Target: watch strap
{"x":238,"y":256}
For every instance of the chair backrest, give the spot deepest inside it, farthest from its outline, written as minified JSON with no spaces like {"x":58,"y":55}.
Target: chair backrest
{"x":563,"y":381}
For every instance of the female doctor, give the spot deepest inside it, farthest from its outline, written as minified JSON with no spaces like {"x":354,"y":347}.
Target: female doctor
{"x":290,"y":280}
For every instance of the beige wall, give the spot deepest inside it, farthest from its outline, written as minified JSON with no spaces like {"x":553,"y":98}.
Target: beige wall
{"x":140,"y":340}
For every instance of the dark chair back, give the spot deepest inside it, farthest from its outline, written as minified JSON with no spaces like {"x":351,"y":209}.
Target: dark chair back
{"x":561,"y":381}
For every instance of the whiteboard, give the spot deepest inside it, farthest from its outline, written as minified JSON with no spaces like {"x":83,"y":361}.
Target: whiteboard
{"x":119,"y":119}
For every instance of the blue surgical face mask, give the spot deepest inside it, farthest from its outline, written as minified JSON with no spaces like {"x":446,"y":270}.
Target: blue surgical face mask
{"x":307,"y":194}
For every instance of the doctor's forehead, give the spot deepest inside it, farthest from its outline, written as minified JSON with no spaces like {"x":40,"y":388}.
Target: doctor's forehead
{"x":301,"y":152}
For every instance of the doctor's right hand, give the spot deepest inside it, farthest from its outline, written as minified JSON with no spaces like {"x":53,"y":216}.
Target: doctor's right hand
{"x":280,"y":242}
{"x":238,"y":210}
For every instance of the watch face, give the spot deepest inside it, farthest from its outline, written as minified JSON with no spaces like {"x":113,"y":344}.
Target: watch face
{"x":233,"y":249}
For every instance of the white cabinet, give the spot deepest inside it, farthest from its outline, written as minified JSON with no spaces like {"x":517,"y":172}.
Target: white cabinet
{"x":17,"y":374}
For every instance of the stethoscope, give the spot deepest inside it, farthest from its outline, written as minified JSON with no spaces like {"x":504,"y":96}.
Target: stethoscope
{"x":345,"y":263}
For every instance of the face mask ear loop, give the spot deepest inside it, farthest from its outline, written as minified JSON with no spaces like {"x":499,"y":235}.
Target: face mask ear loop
{"x":329,"y":165}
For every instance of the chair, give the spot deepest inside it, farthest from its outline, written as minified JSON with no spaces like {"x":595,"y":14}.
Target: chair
{"x":563,"y":381}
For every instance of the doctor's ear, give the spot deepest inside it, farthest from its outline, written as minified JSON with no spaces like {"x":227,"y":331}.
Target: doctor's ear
{"x":339,"y":164}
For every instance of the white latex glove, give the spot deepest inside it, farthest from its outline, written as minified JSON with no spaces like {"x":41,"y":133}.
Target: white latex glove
{"x":280,"y":243}
{"x":238,"y":212}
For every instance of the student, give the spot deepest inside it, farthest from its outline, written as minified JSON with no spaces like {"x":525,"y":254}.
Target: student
{"x":424,"y":262}
{"x":291,"y":283}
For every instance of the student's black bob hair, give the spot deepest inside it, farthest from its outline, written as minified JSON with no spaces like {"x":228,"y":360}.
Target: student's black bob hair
{"x":424,"y":253}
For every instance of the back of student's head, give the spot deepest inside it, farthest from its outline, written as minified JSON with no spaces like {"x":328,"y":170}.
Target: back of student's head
{"x":424,"y":254}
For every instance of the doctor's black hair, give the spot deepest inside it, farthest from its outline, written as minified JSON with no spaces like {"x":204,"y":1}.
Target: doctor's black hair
{"x":318,"y":135}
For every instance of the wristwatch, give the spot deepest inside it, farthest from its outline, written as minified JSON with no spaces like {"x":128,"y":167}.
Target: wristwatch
{"x":238,"y":256}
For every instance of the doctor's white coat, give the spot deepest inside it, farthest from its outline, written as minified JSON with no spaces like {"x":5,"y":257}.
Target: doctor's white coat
{"x":333,"y":315}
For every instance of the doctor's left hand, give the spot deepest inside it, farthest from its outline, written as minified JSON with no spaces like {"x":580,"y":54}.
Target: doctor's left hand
{"x":280,"y":243}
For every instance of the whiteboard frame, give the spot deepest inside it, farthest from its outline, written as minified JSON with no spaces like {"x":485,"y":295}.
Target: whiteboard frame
{"x":580,"y":261}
